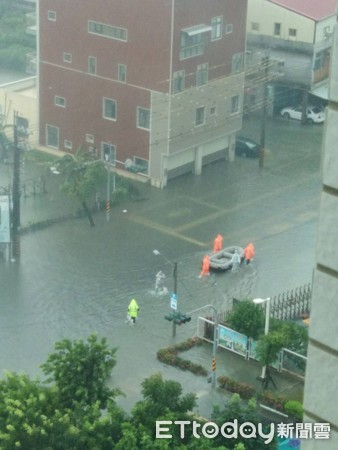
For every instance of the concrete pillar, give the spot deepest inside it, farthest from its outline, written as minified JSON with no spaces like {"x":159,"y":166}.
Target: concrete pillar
{"x":198,"y":160}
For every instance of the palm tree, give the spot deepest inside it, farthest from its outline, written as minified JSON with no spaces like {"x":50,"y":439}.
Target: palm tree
{"x":84,"y":175}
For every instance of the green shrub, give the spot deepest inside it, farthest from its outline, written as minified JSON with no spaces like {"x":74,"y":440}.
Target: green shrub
{"x":170,"y":356}
{"x":244,"y":390}
{"x":294,"y":409}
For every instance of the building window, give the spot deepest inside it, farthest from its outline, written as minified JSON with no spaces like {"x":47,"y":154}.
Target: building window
{"x":143,"y":118}
{"x":277,"y":29}
{"x":108,"y":152}
{"x":92,"y":65}
{"x":90,"y":138}
{"x":109,"y":109}
{"x":202,"y":74}
{"x":234,"y":104}
{"x":178,"y":81}
{"x":68,"y":144}
{"x":52,"y":136}
{"x":67,"y":57}
{"x":60,"y":101}
{"x":122,"y":72}
{"x":319,"y":60}
{"x":142,"y":164}
{"x":51,"y":15}
{"x":213,"y":111}
{"x":216,"y":28}
{"x":109,"y":31}
{"x":191,"y":45}
{"x":229,"y":28}
{"x":237,"y":63}
{"x":292,"y":32}
{"x":200,"y":116}
{"x":254,"y":26}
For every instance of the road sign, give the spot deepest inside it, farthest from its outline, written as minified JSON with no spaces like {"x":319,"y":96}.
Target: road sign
{"x":173,"y":301}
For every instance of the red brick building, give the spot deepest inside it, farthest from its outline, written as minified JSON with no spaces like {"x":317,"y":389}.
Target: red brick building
{"x":157,"y":84}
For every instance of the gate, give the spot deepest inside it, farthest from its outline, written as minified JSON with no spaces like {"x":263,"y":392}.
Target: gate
{"x":293,"y":304}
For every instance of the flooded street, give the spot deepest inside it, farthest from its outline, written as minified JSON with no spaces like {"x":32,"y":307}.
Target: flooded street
{"x":73,"y":280}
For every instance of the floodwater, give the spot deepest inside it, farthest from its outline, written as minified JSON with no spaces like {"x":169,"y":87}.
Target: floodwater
{"x":73,"y":280}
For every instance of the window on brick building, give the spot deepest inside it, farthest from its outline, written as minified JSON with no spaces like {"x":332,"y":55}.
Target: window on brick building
{"x":178,"y":81}
{"x":108,"y":152}
{"x":143,"y":118}
{"x":202,"y":74}
{"x":109,"y":31}
{"x":60,"y":101}
{"x":237,"y":63}
{"x":216,"y":28}
{"x":51,"y":15}
{"x":67,"y":57}
{"x":109,"y":108}
{"x":122,"y":73}
{"x":52,"y":136}
{"x":92,"y":65}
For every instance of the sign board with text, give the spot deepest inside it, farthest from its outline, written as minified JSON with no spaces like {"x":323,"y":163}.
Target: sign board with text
{"x":173,"y":301}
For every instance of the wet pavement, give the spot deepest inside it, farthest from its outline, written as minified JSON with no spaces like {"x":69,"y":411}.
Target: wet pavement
{"x":73,"y":280}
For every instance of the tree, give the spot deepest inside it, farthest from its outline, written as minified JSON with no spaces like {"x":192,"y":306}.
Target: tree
{"x":31,"y":418}
{"x":243,"y":412}
{"x":162,"y":400}
{"x":84,"y":175}
{"x":247,"y":318}
{"x":15,"y":43}
{"x":80,"y":371}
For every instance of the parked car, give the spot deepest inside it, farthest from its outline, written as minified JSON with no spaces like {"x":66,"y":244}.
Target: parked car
{"x":246,"y":147}
{"x":314,"y":113}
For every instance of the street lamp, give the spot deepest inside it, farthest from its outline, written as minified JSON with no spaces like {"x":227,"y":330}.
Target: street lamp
{"x":174,"y":266}
{"x":259,"y":301}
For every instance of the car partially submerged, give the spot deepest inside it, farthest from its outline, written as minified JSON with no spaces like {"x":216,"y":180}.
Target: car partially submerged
{"x":314,"y":114}
{"x":246,"y":147}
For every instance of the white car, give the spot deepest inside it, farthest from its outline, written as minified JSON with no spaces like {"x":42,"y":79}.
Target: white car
{"x":314,"y":114}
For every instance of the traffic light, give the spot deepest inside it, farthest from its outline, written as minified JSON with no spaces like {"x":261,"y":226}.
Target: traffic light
{"x":170,"y":317}
{"x":185,"y":318}
{"x":178,"y":318}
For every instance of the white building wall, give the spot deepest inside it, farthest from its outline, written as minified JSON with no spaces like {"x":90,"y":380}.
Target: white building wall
{"x":266,"y":14}
{"x":321,"y":381}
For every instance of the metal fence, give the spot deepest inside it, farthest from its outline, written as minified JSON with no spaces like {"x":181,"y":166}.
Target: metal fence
{"x":293,"y":304}
{"x":230,"y":340}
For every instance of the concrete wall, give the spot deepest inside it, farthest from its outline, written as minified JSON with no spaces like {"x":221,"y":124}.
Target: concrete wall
{"x":266,"y":14}
{"x":20,"y":97}
{"x":321,"y":382}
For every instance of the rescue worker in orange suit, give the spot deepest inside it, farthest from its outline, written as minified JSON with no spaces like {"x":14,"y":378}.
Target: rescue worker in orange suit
{"x":249,"y":252}
{"x":205,"y":266}
{"x":218,"y":243}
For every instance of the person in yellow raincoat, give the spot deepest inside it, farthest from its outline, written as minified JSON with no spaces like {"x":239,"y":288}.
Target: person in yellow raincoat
{"x":133,"y":310}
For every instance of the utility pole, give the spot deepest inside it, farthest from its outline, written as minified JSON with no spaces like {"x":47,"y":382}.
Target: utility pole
{"x":108,"y":186}
{"x":265,"y":63}
{"x":175,"y":294}
{"x":16,"y":194}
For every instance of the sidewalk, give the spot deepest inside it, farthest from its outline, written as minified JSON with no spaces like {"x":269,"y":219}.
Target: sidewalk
{"x":237,"y":368}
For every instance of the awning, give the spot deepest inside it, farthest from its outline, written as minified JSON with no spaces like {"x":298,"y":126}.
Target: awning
{"x":197,"y":29}
{"x":321,"y":91}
